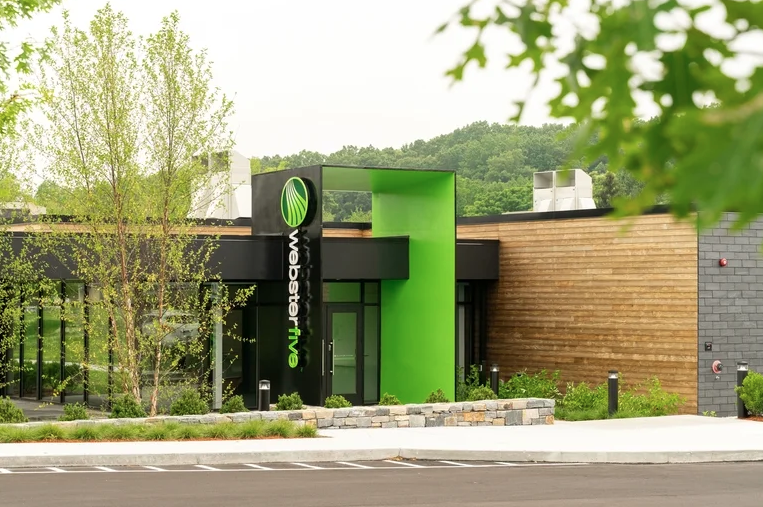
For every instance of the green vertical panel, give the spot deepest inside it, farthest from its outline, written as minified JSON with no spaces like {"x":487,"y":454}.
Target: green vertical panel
{"x":418,"y":314}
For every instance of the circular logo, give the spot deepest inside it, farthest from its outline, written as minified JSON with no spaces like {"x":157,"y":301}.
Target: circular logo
{"x":294,"y":202}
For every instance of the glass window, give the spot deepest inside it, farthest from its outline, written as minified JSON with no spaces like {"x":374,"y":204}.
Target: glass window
{"x":51,"y":350}
{"x":371,"y":293}
{"x":464,"y":293}
{"x":371,"y":354}
{"x":74,"y":343}
{"x":31,"y":344}
{"x":344,"y":335}
{"x":340,"y":292}
{"x":11,"y":343}
{"x":98,"y":350}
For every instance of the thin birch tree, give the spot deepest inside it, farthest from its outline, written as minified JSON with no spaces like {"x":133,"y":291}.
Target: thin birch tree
{"x":128,"y":124}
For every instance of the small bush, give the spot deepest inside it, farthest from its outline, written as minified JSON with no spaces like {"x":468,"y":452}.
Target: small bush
{"x":160,"y":432}
{"x":10,"y":413}
{"x":289,"y":402}
{"x":480,"y":393}
{"x":307,"y":431}
{"x":751,"y":392}
{"x":219,"y":431}
{"x":155,"y":432}
{"x":126,"y":407}
{"x":48,"y":433}
{"x":437,"y":397}
{"x":188,"y":432}
{"x":337,"y":401}
{"x":86,"y":433}
{"x":250,"y":429}
{"x":122,"y":432}
{"x":524,"y":385}
{"x":389,"y":399}
{"x":654,"y":402}
{"x":470,"y":382}
{"x":233,"y":405}
{"x":74,"y":412}
{"x":280,"y":428}
{"x":582,"y":402}
{"x":582,"y":397}
{"x":189,"y":403}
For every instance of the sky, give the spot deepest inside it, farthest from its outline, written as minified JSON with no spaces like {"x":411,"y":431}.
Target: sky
{"x":319,"y":75}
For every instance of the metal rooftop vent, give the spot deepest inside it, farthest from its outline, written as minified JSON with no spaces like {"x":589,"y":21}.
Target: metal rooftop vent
{"x":229,"y":195}
{"x":562,"y":190}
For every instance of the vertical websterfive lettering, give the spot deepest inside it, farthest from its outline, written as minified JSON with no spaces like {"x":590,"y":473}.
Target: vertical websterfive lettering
{"x":295,"y":206}
{"x":294,"y":296}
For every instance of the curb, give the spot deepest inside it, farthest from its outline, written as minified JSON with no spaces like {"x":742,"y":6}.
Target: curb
{"x":318,"y":456}
{"x":615,"y":457}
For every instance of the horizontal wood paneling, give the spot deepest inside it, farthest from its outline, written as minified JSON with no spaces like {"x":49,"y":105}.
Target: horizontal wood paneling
{"x":347,"y":233}
{"x":586,"y":295}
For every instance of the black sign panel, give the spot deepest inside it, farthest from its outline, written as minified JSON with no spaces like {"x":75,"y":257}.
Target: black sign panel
{"x":288,"y":204}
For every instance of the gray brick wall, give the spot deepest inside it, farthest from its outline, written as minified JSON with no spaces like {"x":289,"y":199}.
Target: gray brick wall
{"x":730,"y":310}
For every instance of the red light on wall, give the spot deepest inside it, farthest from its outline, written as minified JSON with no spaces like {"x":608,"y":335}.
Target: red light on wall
{"x":723,"y":263}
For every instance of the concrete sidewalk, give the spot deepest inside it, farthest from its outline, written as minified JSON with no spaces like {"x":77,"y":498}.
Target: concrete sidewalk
{"x":678,"y":439}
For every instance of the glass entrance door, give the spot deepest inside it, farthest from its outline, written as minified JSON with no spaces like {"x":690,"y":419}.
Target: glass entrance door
{"x":346,"y":351}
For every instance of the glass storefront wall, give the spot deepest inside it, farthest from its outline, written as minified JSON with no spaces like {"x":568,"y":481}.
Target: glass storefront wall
{"x":69,"y":347}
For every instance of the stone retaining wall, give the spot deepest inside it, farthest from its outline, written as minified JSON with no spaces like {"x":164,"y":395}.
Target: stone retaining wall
{"x":480,"y":413}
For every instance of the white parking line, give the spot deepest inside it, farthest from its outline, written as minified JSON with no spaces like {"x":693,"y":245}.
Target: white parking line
{"x":456,"y":464}
{"x":4,"y":471}
{"x":155,"y":469}
{"x":356,"y":465}
{"x":207,"y":467}
{"x":403,"y":463}
{"x":308,"y":466}
{"x":258,"y":467}
{"x":506,"y":464}
{"x":58,"y":470}
{"x":105,"y":469}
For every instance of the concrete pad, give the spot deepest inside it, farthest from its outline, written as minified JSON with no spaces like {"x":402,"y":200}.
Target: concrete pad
{"x":679,"y":439}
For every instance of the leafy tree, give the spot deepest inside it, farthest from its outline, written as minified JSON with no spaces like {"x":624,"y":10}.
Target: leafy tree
{"x":13,"y":103}
{"x":691,"y":154}
{"x":126,"y":121}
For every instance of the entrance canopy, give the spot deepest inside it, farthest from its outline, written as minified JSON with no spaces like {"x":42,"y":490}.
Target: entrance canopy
{"x":417,"y":313}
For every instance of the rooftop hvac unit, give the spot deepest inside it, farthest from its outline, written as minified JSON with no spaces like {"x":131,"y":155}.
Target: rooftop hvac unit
{"x":562,"y":190}
{"x":229,"y":194}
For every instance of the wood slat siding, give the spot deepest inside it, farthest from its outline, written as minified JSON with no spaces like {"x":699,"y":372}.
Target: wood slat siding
{"x":582,"y":296}
{"x":347,"y":233}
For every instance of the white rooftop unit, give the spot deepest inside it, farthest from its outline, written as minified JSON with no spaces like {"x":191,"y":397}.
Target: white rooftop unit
{"x":229,"y":194}
{"x":562,"y":190}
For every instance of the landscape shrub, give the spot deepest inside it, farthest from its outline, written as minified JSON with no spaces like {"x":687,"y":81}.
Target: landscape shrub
{"x":389,"y":399}
{"x":156,"y":432}
{"x":189,"y":402}
{"x":337,"y":401}
{"x":526,"y":385}
{"x":581,"y":402}
{"x":289,"y":402}
{"x":233,"y":405}
{"x":751,"y":392}
{"x":74,"y":412}
{"x":437,"y":397}
{"x":126,"y":407}
{"x":10,"y":413}
{"x":481,"y":393}
{"x":464,"y":387}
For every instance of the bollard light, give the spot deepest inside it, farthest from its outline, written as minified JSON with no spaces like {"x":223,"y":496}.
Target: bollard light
{"x":743,"y":368}
{"x":613,"y":391}
{"x":494,"y":370}
{"x":264,"y":401}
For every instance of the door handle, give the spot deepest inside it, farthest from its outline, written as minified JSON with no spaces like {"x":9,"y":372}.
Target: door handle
{"x":331,"y":355}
